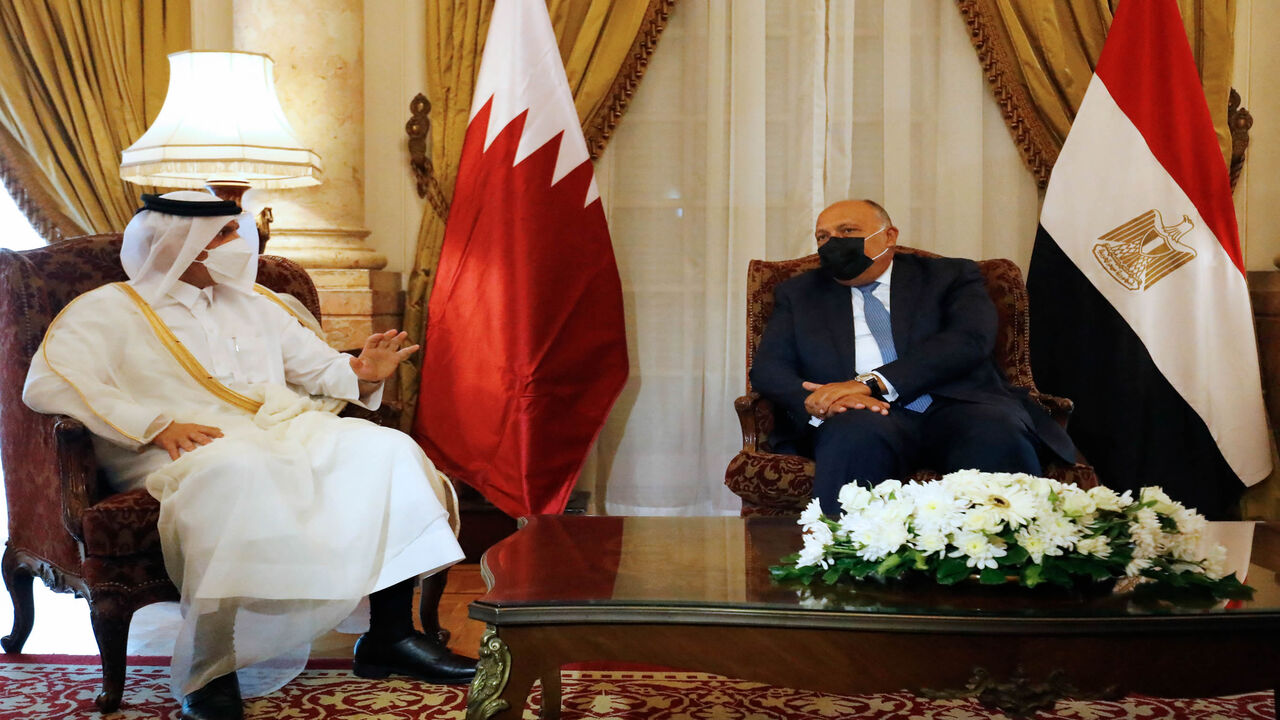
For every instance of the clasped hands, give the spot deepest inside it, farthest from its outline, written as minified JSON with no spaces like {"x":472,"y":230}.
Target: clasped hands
{"x":831,"y":399}
{"x":378,"y":358}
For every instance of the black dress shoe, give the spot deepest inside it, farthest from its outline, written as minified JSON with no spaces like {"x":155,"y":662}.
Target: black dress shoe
{"x":417,"y":655}
{"x":219,"y":700}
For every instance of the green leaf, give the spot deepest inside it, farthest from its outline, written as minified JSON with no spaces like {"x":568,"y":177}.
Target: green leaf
{"x":1031,"y":575}
{"x":917,"y":559}
{"x":888,"y":564}
{"x":992,"y":576}
{"x":952,"y":571}
{"x":1014,"y":555}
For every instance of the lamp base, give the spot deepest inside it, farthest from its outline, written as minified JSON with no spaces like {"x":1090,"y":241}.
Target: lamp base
{"x":234,"y":188}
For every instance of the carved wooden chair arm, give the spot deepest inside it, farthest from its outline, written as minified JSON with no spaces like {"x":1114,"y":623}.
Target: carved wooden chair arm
{"x":77,"y":471}
{"x":746,"y":409}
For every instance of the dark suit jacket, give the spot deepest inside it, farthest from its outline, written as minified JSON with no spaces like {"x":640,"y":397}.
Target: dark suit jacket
{"x":944,"y":329}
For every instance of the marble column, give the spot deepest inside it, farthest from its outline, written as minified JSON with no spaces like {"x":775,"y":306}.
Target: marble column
{"x":319,"y":73}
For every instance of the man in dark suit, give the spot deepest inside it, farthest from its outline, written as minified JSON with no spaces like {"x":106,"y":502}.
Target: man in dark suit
{"x":879,"y":365}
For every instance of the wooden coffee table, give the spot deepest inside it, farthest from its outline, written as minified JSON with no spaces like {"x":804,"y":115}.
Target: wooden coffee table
{"x":695,"y":594}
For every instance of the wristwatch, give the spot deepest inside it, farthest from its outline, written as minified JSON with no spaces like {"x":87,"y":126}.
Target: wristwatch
{"x":873,"y":383}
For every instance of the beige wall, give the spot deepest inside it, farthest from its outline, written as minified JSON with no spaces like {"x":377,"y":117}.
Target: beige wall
{"x":395,"y":69}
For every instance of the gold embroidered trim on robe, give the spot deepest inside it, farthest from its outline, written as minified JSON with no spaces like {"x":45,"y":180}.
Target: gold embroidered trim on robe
{"x":185,"y":358}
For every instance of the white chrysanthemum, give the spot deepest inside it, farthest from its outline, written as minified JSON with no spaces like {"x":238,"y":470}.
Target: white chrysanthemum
{"x":1185,"y":548}
{"x":886,"y":488}
{"x":1041,"y":486}
{"x":812,"y":554}
{"x":1076,"y":503}
{"x":820,"y":534}
{"x":817,"y":538}
{"x":1190,"y":522}
{"x":1163,"y":503}
{"x":853,"y":497}
{"x":1033,"y":539}
{"x":970,"y":485}
{"x":812,"y":514}
{"x":1059,"y":530}
{"x":936,"y":507}
{"x":981,"y":519}
{"x":1107,"y":499}
{"x":880,"y":539}
{"x":930,"y":542}
{"x":1145,"y":533}
{"x":1096,"y":546}
{"x":1215,"y":563}
{"x":1136,"y":566}
{"x":897,"y":510}
{"x":978,"y":549}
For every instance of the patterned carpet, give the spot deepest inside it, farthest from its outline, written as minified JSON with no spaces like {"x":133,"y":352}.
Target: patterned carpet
{"x":62,"y":687}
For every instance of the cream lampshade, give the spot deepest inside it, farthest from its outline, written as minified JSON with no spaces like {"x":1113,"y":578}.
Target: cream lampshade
{"x":220,"y":121}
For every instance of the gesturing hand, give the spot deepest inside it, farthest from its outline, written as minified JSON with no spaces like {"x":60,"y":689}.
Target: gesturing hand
{"x":178,"y":437}
{"x":380,"y":356}
{"x":834,"y":398}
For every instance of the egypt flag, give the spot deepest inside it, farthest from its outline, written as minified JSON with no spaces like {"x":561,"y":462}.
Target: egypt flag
{"x":525,"y":348}
{"x":1139,"y":307}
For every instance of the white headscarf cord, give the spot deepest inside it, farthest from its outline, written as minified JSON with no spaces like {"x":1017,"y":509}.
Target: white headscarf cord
{"x":158,"y":247}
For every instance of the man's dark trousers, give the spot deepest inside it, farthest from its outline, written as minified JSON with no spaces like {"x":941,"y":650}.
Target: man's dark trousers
{"x":867,"y":447}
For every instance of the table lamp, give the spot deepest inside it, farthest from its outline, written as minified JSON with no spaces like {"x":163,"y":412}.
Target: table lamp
{"x":221,"y":125}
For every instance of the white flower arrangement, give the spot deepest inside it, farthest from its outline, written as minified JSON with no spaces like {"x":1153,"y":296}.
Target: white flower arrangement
{"x":1004,"y":527}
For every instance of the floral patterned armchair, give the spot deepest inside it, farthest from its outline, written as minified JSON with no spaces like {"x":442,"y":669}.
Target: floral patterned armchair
{"x":65,"y":524}
{"x":771,"y":483}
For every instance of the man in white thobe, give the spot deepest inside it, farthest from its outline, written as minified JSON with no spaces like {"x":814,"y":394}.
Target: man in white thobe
{"x":276,"y":515}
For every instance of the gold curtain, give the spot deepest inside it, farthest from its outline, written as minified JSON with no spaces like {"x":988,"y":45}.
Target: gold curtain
{"x":82,"y":81}
{"x":605,"y":45}
{"x":1039,"y":56}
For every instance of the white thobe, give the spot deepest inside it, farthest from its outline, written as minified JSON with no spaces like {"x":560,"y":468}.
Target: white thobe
{"x":276,"y":530}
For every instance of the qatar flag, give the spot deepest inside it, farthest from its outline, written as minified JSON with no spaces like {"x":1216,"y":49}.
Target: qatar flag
{"x":1139,"y":307}
{"x":525,"y":350}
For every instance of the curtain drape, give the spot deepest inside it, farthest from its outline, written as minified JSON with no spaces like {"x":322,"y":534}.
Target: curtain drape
{"x":605,"y":45}
{"x":753,"y":117}
{"x":1039,"y":56}
{"x":82,"y":82}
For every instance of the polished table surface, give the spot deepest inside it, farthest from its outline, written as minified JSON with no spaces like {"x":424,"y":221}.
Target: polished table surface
{"x":629,"y":587}
{"x":717,"y":570}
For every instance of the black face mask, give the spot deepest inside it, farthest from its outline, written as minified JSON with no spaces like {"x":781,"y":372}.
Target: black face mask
{"x":845,"y":258}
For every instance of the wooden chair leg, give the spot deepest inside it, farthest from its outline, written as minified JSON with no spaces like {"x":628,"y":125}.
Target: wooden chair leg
{"x":111,"y":628}
{"x":17,"y":580}
{"x":429,"y":605}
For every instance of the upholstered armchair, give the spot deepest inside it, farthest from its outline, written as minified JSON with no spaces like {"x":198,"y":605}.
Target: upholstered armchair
{"x":771,"y":483}
{"x":65,"y":526}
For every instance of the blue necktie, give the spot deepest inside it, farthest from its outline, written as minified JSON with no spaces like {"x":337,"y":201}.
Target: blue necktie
{"x":878,"y":321}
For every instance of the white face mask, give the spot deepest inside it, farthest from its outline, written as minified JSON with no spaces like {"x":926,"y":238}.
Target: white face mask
{"x":227,"y":264}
